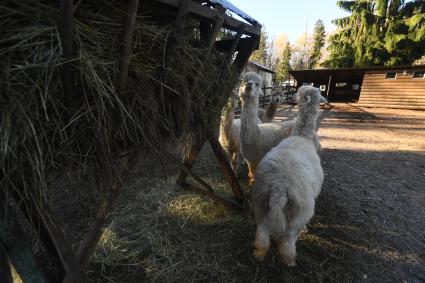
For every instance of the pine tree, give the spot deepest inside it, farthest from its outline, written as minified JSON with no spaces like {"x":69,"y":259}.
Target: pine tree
{"x":319,"y":42}
{"x":283,"y":66}
{"x":378,"y":32}
{"x":260,"y":55}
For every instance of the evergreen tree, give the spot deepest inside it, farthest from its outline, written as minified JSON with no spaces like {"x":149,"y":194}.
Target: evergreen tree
{"x":319,"y":41}
{"x":260,"y":55}
{"x":378,"y":32}
{"x":283,"y":65}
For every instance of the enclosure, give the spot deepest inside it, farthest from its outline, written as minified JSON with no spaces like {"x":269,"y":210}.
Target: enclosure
{"x":368,"y":226}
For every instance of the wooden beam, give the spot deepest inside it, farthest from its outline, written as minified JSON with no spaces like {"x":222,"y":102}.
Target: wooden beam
{"x":30,"y":212}
{"x":188,"y":162}
{"x":227,"y":169}
{"x":51,"y":236}
{"x":225,"y":44}
{"x":205,"y":12}
{"x":89,"y":243}
{"x":245,"y":52}
{"x":132,"y":7}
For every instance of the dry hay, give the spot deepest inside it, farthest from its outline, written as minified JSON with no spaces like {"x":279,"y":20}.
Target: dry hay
{"x":42,"y":134}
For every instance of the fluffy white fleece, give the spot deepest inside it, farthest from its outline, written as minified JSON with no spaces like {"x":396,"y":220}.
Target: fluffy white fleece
{"x":287,"y":182}
{"x":257,"y":139}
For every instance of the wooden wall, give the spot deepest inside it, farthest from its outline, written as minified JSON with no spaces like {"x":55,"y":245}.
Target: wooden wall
{"x":403,"y":92}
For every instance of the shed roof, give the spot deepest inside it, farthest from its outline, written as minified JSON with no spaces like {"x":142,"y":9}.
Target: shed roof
{"x":262,"y":67}
{"x":321,"y":76}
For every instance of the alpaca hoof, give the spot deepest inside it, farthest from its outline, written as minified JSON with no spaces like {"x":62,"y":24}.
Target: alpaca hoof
{"x":260,"y":253}
{"x":288,"y":261}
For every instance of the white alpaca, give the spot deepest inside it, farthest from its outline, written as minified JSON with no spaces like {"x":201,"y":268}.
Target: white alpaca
{"x":230,"y":128}
{"x":257,"y":139}
{"x":287,"y":182}
{"x":229,"y":133}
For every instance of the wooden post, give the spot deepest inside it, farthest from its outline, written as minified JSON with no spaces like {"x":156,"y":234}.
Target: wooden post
{"x":177,"y":32}
{"x":67,"y":35}
{"x":14,"y":244}
{"x":127,"y":42}
{"x":227,"y":169}
{"x":190,"y":160}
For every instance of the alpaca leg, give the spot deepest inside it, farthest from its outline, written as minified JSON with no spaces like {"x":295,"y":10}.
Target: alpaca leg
{"x":287,"y":247}
{"x":235,"y":162}
{"x":262,"y":242}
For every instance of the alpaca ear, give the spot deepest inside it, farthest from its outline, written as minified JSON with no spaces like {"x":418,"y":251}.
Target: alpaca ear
{"x":323,"y":100}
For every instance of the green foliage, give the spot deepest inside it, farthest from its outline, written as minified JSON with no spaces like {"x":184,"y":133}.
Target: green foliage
{"x":283,"y":66}
{"x":378,"y":32}
{"x":260,"y":56}
{"x":319,"y":42}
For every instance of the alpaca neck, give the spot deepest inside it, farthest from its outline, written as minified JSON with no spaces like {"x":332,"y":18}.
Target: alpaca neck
{"x":227,"y":120}
{"x":305,"y":124}
{"x":271,"y":110}
{"x":249,"y":120}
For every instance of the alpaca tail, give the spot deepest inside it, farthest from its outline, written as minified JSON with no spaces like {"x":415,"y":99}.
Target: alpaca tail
{"x":276,"y":215}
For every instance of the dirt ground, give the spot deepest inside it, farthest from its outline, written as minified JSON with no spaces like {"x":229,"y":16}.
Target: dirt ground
{"x":368,"y":227}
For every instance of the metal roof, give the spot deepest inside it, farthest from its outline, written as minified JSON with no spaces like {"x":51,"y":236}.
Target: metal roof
{"x":261,"y":67}
{"x":236,"y":10}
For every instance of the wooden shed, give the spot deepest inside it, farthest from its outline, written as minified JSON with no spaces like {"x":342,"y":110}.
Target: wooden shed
{"x":264,"y":72}
{"x":402,"y":87}
{"x":390,"y":87}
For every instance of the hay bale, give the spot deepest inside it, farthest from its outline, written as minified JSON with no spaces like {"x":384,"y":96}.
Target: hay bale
{"x":40,"y":135}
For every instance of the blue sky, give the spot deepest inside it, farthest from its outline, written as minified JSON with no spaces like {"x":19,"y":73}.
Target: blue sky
{"x":289,"y":16}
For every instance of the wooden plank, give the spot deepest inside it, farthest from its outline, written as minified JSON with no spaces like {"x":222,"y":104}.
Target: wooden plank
{"x":245,"y":52}
{"x":204,"y":12}
{"x":132,"y":7}
{"x":226,"y":168}
{"x":394,"y":97}
{"x":391,"y":106}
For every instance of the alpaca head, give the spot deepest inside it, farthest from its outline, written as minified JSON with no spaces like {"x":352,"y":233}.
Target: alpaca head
{"x":250,"y":87}
{"x":309,"y":99}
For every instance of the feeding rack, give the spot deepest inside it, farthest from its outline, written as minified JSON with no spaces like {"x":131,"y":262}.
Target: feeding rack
{"x":210,"y":18}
